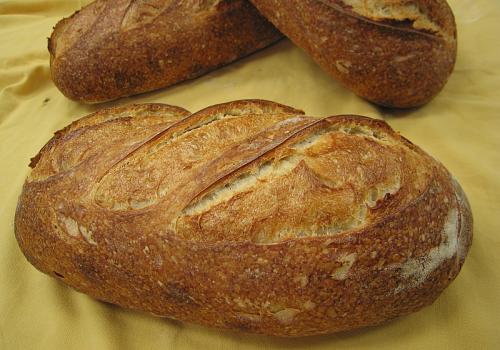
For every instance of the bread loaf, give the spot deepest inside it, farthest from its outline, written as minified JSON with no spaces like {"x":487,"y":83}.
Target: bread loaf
{"x":246,"y":215}
{"x":396,"y":53}
{"x":117,"y":48}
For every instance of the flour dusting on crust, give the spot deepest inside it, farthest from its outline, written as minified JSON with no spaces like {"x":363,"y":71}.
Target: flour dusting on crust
{"x":416,"y":271}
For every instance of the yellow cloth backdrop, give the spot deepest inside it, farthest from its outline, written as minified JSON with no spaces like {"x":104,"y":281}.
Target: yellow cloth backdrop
{"x":461,"y":127}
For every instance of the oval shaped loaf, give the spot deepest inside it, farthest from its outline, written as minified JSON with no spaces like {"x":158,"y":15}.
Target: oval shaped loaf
{"x":246,"y":215}
{"x":117,"y":48}
{"x":396,"y":53}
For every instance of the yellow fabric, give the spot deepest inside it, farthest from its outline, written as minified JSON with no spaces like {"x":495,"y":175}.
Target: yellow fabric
{"x":460,"y":127}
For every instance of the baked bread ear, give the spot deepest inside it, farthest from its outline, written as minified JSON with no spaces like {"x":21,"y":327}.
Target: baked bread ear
{"x":246,"y":215}
{"x":117,"y":48}
{"x":396,"y":53}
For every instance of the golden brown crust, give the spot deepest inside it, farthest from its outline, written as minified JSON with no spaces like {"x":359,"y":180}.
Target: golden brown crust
{"x":396,"y":53}
{"x":132,"y":121}
{"x":117,"y":48}
{"x":247,"y":215}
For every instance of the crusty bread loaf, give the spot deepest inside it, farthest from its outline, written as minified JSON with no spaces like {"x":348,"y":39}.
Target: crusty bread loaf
{"x":246,"y":215}
{"x":117,"y":48}
{"x":396,"y":53}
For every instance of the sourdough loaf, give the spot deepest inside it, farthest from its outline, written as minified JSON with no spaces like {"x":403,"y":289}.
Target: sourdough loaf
{"x":396,"y":53}
{"x":246,"y":215}
{"x":117,"y":48}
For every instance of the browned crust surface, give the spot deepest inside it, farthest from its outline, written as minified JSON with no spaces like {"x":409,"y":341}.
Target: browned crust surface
{"x":117,"y":48}
{"x":396,"y":53}
{"x":246,"y":215}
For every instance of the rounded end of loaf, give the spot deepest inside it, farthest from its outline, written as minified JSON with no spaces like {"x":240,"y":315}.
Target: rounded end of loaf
{"x":412,"y":79}
{"x":70,"y":66}
{"x":416,"y":51}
